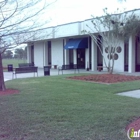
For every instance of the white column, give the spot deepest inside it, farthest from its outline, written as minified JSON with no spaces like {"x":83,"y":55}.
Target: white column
{"x":131,"y":61}
{"x":66,"y":53}
{"x":66,"y":57}
{"x":93,"y":56}
{"x":28,"y":53}
{"x":87,"y":56}
{"x":75,"y":56}
{"x":45,"y":54}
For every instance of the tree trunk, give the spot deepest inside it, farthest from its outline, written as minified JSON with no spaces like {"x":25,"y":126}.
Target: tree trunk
{"x":2,"y":84}
{"x":112,"y":69}
{"x":109,"y":70}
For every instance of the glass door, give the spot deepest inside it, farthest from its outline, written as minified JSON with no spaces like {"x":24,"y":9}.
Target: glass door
{"x":81,"y":58}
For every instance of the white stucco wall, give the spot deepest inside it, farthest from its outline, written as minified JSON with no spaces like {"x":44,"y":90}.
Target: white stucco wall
{"x":67,"y":30}
{"x":70,"y":29}
{"x":45,"y":34}
{"x":38,"y":54}
{"x":90,"y":27}
{"x":119,"y":63}
{"x":57,"y":52}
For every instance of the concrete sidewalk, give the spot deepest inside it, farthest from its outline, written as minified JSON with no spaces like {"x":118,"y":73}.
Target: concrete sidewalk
{"x":133,"y":93}
{"x":9,"y":75}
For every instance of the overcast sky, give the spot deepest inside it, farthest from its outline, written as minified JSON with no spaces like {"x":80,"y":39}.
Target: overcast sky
{"x":65,"y":11}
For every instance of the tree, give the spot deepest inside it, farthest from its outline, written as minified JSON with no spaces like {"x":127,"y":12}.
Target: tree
{"x":132,"y":25}
{"x":110,"y":30}
{"x":18,"y":17}
{"x":7,"y":54}
{"x":21,"y":53}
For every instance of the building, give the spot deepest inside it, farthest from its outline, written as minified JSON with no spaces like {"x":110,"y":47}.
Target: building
{"x":66,"y":44}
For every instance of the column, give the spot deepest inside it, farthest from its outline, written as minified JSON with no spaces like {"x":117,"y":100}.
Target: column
{"x":28,"y":53}
{"x":45,"y":54}
{"x":66,"y":53}
{"x":75,"y":56}
{"x":66,"y":57}
{"x":93,"y":56}
{"x":131,"y":60}
{"x":87,"y":56}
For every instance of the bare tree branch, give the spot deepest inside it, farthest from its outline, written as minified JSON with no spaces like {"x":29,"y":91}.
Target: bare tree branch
{"x":17,"y":18}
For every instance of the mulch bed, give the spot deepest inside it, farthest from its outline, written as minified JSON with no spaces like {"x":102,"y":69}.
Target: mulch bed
{"x":9,"y":91}
{"x":134,"y":123}
{"x":106,"y":78}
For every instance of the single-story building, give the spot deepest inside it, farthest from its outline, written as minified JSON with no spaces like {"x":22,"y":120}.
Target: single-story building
{"x":66,"y":44}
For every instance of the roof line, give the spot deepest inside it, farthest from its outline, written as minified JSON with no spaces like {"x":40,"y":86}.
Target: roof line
{"x":87,"y":19}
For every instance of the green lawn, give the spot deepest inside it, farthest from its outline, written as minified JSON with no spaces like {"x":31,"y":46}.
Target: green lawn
{"x":55,"y":108}
{"x":15,"y":62}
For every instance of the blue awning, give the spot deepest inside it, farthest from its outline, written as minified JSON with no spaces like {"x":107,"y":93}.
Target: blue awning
{"x":79,"y":43}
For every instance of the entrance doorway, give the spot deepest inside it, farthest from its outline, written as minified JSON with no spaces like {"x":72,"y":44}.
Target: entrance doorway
{"x":71,"y":56}
{"x":81,"y":58}
{"x":126,"y":49}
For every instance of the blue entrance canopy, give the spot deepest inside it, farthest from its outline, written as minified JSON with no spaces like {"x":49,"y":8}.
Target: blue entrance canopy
{"x":79,"y":43}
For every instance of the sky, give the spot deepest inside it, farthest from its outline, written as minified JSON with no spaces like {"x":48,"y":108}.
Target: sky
{"x":66,"y":11}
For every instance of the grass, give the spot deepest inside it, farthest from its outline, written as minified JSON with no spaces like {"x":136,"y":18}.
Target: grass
{"x":15,"y":62}
{"x":55,"y":108}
